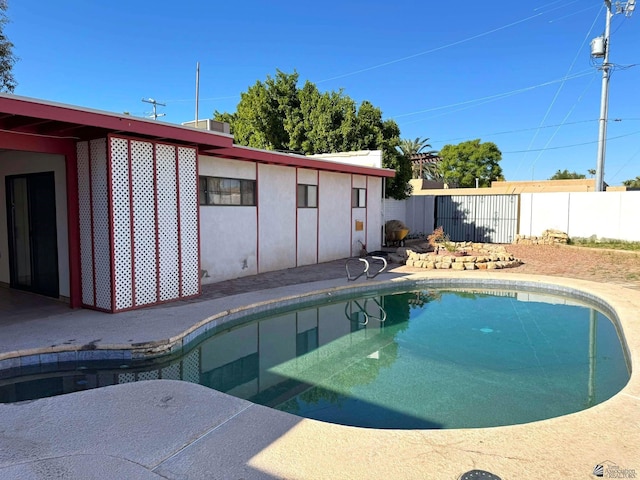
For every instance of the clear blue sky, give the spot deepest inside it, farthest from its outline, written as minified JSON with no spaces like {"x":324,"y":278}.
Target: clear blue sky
{"x":449,"y":71}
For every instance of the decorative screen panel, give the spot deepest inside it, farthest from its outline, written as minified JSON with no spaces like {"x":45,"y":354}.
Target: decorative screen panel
{"x":86,"y":239}
{"x":191,"y":367}
{"x":121,"y":201}
{"x":168,"y":245}
{"x":101,"y":224}
{"x":144,"y":223}
{"x":188,"y":190}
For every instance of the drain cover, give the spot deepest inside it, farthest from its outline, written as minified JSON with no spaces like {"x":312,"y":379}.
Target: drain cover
{"x":479,"y":475}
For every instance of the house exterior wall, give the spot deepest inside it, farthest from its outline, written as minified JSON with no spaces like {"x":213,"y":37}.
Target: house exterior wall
{"x":237,"y":241}
{"x":16,"y":163}
{"x":307,"y":221}
{"x":276,"y":217}
{"x":374,"y":222}
{"x":334,"y":210}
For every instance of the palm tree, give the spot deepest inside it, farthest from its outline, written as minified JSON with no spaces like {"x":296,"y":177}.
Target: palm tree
{"x":429,"y":170}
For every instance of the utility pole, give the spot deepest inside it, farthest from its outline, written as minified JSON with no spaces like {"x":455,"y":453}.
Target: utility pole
{"x":600,"y":47}
{"x":153,"y":102}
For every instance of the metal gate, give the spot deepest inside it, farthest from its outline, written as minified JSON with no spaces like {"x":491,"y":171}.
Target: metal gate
{"x":478,"y":218}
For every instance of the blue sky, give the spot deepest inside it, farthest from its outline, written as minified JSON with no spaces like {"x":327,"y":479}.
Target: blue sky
{"x":449,"y":71}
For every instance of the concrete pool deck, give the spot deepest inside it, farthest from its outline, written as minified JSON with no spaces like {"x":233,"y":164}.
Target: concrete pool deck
{"x":177,"y":430}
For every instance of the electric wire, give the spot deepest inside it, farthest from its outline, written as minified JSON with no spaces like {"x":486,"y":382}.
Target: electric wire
{"x":575,"y":144}
{"x":497,"y":96}
{"x":557,"y":94}
{"x":566,"y":117}
{"x":432,"y":50}
{"x":508,"y":132}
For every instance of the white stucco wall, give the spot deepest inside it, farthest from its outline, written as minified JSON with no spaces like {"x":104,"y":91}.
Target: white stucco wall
{"x":238,"y":241}
{"x":15,"y":163}
{"x":373,"y":226}
{"x":277,"y":217}
{"x":363,"y":158}
{"x":228,"y":235}
{"x":307,"y":248}
{"x":582,"y":214}
{"x":334,"y":191}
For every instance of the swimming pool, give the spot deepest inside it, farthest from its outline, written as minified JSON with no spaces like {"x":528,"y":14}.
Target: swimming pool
{"x":420,"y":359}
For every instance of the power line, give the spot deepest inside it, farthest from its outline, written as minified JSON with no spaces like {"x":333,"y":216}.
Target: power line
{"x":436,"y":49}
{"x":497,"y":96}
{"x":155,"y":103}
{"x":574,"y":145}
{"x":557,"y":94}
{"x":507,"y":132}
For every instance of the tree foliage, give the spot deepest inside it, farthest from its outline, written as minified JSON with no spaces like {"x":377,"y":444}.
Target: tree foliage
{"x":278,"y":115}
{"x":567,"y":175}
{"x":632,"y":183}
{"x":461,"y":164}
{"x":7,"y":58}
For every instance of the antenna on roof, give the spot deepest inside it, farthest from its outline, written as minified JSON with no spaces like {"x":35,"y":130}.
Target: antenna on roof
{"x":153,"y":102}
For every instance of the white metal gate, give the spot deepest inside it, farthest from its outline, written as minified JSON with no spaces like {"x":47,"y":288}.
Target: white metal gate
{"x":478,"y":218}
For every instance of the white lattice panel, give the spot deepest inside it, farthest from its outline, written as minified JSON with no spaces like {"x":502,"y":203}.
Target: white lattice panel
{"x":191,"y":367}
{"x":167,"y":222}
{"x":101,"y":224}
{"x":151,"y":375}
{"x":84,"y":199}
{"x":144,"y":223}
{"x":172,"y":372}
{"x":120,"y":197}
{"x":126,"y":377}
{"x":188,"y":188}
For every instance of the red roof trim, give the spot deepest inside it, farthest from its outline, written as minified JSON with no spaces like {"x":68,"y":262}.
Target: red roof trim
{"x":117,"y":123}
{"x":212,"y":143}
{"x":265,"y":156}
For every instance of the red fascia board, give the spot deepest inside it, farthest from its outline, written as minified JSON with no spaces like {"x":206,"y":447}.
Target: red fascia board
{"x":264,"y":156}
{"x":117,"y":123}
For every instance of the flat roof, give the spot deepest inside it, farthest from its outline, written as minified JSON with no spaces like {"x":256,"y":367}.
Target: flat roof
{"x":55,"y":120}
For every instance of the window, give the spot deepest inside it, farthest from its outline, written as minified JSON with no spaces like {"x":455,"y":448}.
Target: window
{"x":359,"y":197}
{"x":307,"y":196}
{"x":226,"y":191}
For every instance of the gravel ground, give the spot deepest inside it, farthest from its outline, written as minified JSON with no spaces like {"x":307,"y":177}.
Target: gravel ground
{"x":610,"y":266}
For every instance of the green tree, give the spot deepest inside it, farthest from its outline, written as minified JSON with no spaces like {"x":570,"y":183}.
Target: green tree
{"x":277,"y":115}
{"x":632,"y":183}
{"x":411,"y":147}
{"x":461,"y":164}
{"x":567,"y":175}
{"x":7,"y":58}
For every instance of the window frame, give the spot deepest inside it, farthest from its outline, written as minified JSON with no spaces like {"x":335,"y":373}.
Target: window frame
{"x":246,"y":187}
{"x":358,"y":197}
{"x":304,"y":201}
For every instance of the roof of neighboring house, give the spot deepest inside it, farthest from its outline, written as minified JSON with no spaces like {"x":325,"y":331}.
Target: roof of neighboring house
{"x":54,"y":120}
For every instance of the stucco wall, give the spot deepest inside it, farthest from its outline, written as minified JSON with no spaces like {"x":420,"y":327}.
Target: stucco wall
{"x":15,"y":163}
{"x":307,"y":243}
{"x":334,"y":203}
{"x":582,"y":214}
{"x":238,"y":241}
{"x":277,"y":217}
{"x":373,"y":226}
{"x":228,"y":235}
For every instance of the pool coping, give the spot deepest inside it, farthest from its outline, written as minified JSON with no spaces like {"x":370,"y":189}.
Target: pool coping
{"x":569,"y":446}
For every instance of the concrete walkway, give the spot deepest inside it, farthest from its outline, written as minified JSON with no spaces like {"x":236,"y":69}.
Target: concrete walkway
{"x":177,"y":430}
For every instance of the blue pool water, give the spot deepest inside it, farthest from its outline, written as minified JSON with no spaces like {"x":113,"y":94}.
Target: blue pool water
{"x":422,"y":359}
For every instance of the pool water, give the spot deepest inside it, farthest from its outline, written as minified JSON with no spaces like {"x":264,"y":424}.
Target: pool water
{"x":421,"y":359}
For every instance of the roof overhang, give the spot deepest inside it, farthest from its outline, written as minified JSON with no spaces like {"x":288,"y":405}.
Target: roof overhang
{"x":300,"y":161}
{"x":47,"y":122}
